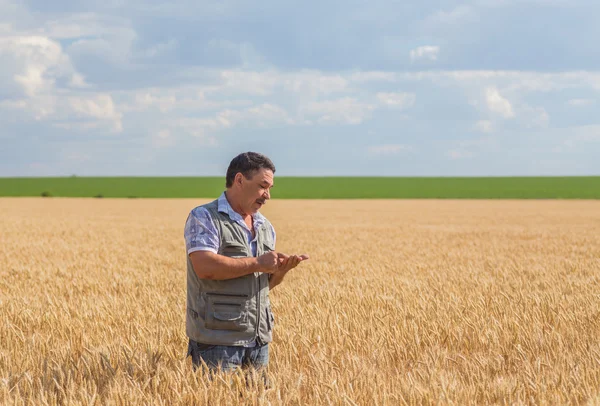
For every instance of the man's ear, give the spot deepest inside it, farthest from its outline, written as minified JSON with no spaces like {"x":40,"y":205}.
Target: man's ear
{"x":238,"y":178}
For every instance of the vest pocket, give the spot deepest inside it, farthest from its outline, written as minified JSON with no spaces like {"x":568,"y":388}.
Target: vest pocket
{"x":233,"y":249}
{"x":226,"y":311}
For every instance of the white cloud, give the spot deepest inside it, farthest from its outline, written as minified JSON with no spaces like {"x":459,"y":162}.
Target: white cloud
{"x":397,"y":100}
{"x":78,"y":81}
{"x":108,"y":37}
{"x":254,"y":83}
{"x":111,"y":41}
{"x":82,"y":112}
{"x":389,"y":149}
{"x":428,"y":52}
{"x":146,"y":100}
{"x":39,"y":75}
{"x":99,"y":107}
{"x":581,"y":102}
{"x":314,"y":83}
{"x":346,"y":110}
{"x":261,"y":116}
{"x":79,"y":25}
{"x":498,"y":104}
{"x":38,"y":108}
{"x":34,"y":63}
{"x":484,"y":126}
{"x":310,"y":83}
{"x":264,"y":115}
{"x":177,"y":100}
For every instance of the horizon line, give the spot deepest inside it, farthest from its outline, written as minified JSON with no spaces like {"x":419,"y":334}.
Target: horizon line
{"x":304,"y":176}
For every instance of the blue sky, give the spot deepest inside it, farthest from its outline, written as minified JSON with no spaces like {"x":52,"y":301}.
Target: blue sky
{"x":393,"y":88}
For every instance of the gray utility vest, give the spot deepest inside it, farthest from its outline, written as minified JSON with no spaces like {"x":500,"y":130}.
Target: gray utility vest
{"x":234,"y":311}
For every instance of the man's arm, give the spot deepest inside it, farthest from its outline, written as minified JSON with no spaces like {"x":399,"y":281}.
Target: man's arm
{"x":209,"y":265}
{"x":202,"y":240}
{"x":275,"y":279}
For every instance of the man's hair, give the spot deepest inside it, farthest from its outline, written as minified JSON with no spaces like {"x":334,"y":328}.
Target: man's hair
{"x":247,"y":163}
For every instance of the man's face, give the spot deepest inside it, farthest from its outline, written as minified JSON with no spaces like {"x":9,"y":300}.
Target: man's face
{"x":256,"y":190}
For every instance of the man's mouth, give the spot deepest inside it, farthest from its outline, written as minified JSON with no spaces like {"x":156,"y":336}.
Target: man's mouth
{"x":261,"y":202}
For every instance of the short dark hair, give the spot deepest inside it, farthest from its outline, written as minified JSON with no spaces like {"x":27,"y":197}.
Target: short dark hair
{"x":247,"y":163}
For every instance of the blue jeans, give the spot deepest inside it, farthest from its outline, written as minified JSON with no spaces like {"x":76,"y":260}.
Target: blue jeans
{"x":228,"y":358}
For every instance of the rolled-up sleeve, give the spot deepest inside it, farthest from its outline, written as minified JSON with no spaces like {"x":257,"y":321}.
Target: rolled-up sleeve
{"x":200,"y":232}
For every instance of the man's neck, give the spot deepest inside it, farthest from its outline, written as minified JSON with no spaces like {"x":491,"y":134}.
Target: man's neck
{"x":231,"y":200}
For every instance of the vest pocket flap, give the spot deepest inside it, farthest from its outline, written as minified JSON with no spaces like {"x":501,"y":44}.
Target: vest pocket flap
{"x":226,"y":311}
{"x":227,"y":316}
{"x":233,"y":243}
{"x":268,"y":246}
{"x":233,"y":248}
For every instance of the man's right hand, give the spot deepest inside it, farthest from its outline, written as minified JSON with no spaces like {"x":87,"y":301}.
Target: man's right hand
{"x":269,"y":262}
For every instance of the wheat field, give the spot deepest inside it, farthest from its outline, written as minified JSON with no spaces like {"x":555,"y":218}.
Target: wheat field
{"x":402,"y":302}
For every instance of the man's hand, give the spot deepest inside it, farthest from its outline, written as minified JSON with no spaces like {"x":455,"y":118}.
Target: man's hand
{"x":269,"y":262}
{"x":287,"y":263}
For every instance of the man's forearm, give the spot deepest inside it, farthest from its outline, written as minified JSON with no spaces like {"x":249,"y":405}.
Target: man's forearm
{"x":209,"y":265}
{"x":275,"y":279}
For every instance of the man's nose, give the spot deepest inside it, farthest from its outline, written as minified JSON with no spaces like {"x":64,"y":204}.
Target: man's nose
{"x":267,"y":194}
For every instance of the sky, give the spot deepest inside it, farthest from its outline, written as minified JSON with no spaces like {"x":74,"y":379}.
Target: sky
{"x":354,"y":88}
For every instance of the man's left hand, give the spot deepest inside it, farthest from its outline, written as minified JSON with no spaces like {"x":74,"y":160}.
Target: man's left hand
{"x":289,"y":262}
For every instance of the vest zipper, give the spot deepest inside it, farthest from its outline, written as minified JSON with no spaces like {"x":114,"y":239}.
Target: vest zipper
{"x":258,"y":340}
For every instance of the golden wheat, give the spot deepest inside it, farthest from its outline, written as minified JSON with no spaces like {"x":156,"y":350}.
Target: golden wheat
{"x":402,"y":302}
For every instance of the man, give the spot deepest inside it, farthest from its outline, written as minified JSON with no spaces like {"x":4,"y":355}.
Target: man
{"x":231,"y":267}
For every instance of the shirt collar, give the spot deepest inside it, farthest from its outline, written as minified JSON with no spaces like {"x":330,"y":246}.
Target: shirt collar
{"x":223,"y":206}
